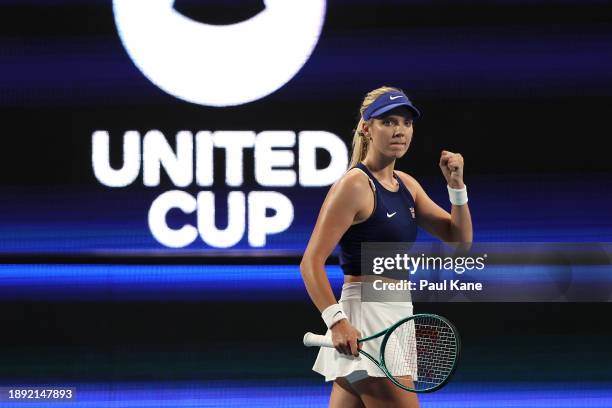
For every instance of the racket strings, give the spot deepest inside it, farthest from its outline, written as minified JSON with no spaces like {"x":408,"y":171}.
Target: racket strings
{"x":424,"y":348}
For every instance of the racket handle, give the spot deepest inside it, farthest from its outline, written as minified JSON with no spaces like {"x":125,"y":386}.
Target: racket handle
{"x":317,"y":340}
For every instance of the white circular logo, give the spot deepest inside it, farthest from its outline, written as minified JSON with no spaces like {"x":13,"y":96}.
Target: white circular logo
{"x":219,"y":65}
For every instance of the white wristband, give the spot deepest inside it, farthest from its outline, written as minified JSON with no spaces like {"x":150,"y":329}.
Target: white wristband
{"x":457,"y":196}
{"x":332,"y":314}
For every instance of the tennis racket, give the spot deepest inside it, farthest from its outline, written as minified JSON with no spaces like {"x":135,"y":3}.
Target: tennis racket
{"x":423,"y":346}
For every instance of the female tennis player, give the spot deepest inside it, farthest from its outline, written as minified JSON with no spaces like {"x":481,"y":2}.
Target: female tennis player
{"x":373,"y":202}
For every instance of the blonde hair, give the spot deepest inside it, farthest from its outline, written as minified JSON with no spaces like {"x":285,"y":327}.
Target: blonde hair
{"x":360,"y":141}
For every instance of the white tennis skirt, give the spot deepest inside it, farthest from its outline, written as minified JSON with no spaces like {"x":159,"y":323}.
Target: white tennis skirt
{"x":369,"y":318}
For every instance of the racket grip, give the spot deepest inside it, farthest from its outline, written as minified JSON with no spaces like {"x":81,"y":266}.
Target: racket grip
{"x":317,"y":340}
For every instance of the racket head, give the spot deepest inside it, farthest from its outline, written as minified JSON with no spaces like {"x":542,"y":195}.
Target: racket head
{"x":427,"y":345}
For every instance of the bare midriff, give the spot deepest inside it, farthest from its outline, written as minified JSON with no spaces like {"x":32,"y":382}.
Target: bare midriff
{"x":356,"y":278}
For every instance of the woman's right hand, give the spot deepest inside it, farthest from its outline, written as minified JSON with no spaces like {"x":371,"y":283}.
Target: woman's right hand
{"x":344,"y":337}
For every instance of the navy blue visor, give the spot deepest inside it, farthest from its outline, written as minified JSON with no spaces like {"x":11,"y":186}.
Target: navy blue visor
{"x":388,"y":101}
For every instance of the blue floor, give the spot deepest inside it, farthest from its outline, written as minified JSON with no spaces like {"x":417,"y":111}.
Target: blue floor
{"x":307,"y":393}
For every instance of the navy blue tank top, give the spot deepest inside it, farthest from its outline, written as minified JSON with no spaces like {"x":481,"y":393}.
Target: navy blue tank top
{"x":393,"y":220}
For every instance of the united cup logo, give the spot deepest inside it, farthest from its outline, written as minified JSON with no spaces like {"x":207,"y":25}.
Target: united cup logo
{"x":219,"y":65}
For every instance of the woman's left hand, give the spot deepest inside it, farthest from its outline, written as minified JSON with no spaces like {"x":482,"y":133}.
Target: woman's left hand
{"x":451,"y":165}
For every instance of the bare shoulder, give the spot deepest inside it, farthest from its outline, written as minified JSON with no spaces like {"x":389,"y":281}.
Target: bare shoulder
{"x":351,"y":194}
{"x":353,"y":183}
{"x":410,"y":182}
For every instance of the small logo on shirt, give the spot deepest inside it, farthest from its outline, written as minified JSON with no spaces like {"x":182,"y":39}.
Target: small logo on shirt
{"x":412,"y":212}
{"x":391,"y":215}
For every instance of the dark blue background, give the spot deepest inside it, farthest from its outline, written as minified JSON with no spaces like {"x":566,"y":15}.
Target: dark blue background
{"x":520,"y":88}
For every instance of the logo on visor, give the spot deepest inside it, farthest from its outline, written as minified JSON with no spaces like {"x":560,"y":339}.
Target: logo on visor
{"x":219,"y":65}
{"x":395,"y":97}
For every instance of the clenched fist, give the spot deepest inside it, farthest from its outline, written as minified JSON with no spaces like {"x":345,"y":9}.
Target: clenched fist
{"x":451,"y":165}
